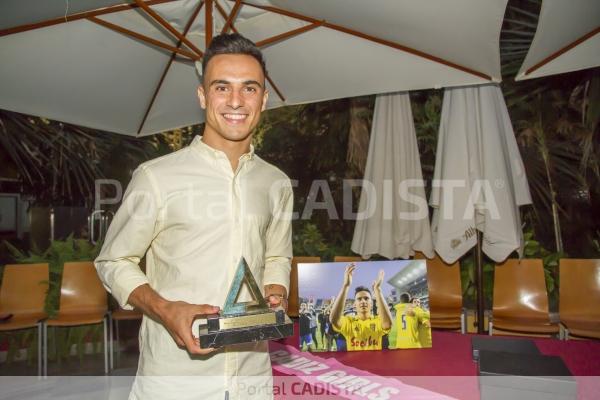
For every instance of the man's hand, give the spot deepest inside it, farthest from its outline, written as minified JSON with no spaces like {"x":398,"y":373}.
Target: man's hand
{"x":348,"y":275}
{"x":276,"y":296}
{"x":377,"y":283}
{"x":178,"y":316}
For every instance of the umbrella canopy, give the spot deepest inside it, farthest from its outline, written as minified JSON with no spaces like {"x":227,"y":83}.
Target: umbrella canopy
{"x":393,"y":214}
{"x":567,"y":39}
{"x":128,"y":67}
{"x":479,"y":178}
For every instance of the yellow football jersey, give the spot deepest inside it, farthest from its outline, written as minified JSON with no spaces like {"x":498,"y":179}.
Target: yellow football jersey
{"x":407,"y":326}
{"x":362,"y":334}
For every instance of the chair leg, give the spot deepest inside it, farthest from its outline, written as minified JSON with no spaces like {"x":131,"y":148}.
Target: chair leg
{"x":118,"y":347}
{"x":463,"y":323}
{"x":104,"y":323}
{"x":45,"y":349}
{"x":39,"y":349}
{"x":490,"y":328}
{"x":111,"y":339}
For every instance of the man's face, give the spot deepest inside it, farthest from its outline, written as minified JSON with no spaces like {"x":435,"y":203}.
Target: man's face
{"x":233,"y":95}
{"x":363,"y":302}
{"x":303,"y":307}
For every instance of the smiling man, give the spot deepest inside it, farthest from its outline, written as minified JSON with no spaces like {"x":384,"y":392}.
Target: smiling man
{"x":365,"y":330}
{"x":194,"y":214}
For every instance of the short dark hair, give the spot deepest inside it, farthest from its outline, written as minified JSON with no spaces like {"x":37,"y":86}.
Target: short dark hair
{"x":405,"y":298}
{"x":362,"y":289}
{"x":233,"y":43}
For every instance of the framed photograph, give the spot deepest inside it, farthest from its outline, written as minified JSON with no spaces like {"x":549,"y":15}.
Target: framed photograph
{"x":366,"y":305}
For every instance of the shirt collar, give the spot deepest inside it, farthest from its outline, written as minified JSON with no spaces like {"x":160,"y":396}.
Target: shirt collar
{"x":213,"y":153}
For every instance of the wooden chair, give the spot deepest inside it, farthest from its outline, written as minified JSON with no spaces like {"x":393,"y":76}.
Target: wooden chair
{"x":347,"y":259}
{"x":83,"y":301}
{"x":579,"y":298}
{"x":521,"y":299}
{"x":445,"y":294}
{"x":293,"y":301}
{"x":22,"y":295}
{"x":113,"y":328}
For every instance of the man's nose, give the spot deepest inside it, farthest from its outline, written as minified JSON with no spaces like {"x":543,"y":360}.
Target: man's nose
{"x":235,"y":99}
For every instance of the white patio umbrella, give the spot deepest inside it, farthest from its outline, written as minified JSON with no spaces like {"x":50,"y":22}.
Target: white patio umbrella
{"x":393,"y":214}
{"x":128,"y":66}
{"x":567,"y":39}
{"x":479,"y":179}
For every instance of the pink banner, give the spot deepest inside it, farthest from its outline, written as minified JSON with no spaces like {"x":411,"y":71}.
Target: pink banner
{"x":310,"y":375}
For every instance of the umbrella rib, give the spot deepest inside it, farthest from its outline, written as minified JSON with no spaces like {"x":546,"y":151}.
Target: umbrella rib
{"x":224,"y":15}
{"x":144,"y":38}
{"x":77,"y":16}
{"x":208,"y":23}
{"x":154,"y":15}
{"x":275,"y":88}
{"x":371,"y":38}
{"x":168,"y":66}
{"x":563,"y":50}
{"x":232,"y":15}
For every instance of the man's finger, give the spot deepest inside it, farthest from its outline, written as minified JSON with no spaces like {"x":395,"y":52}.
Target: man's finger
{"x":191,"y":345}
{"x":205,"y":309}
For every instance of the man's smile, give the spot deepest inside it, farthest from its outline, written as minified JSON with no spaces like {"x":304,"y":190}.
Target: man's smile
{"x":234,"y":118}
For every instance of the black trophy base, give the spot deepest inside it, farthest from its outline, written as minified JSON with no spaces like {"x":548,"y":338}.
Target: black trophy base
{"x":225,"y":337}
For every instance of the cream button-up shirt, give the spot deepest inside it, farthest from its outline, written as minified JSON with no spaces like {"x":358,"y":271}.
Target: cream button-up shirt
{"x":194,"y":218}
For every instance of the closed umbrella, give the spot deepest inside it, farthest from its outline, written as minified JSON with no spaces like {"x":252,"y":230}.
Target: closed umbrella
{"x":479,"y":179}
{"x":393,"y":216}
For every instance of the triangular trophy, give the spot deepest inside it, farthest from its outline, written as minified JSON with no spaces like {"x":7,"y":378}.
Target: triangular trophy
{"x":242,"y":322}
{"x":258,"y":303}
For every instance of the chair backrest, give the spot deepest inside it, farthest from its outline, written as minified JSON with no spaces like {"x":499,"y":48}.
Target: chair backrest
{"x":81,"y":290}
{"x":443,"y":280}
{"x":293,"y":306}
{"x":579,"y":290}
{"x":24,"y":288}
{"x":347,"y":259}
{"x":520,"y":289}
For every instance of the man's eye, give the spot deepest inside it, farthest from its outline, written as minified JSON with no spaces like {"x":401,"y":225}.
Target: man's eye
{"x":221,"y":88}
{"x":250,"y":89}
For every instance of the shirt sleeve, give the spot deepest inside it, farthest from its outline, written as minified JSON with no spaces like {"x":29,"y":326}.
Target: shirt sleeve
{"x":380,"y":323}
{"x":278,"y":249}
{"x":128,"y":237}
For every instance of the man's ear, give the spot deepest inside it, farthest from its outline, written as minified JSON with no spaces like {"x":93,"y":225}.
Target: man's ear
{"x":265,"y":98}
{"x":202,"y":97}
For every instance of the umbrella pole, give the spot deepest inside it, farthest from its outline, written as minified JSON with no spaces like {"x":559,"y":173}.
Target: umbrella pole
{"x":479,"y":283}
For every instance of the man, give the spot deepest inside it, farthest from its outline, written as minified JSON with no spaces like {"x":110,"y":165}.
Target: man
{"x":363,"y":331}
{"x":312,"y":314}
{"x":194,"y":214}
{"x":409,"y":317}
{"x":304,"y":328}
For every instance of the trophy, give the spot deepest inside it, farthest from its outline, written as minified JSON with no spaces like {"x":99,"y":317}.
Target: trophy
{"x":242,"y":322}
